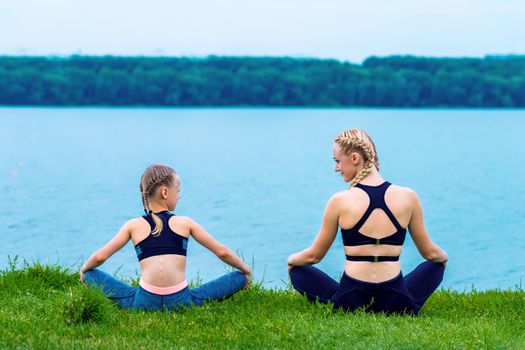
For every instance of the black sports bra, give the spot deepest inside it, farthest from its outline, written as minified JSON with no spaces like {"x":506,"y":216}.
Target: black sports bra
{"x":166,"y":242}
{"x":352,"y":236}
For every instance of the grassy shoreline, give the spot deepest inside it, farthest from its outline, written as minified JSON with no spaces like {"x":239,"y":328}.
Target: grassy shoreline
{"x":43,"y":306}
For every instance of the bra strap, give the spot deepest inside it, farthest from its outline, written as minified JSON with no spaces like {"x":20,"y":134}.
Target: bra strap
{"x":371,"y":258}
{"x":150,"y":221}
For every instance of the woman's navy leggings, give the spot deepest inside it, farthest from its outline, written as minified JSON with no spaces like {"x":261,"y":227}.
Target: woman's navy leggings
{"x":399,"y":295}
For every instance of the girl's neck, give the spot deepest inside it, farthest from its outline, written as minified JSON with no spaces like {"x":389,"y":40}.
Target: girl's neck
{"x":157,"y":207}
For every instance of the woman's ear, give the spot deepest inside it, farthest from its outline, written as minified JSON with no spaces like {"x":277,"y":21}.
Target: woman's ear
{"x":164,"y":192}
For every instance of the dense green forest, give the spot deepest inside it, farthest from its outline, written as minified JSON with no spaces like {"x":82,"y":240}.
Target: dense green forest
{"x":396,"y":81}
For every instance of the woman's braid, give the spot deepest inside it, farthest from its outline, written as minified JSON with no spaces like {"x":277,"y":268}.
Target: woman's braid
{"x":349,"y":143}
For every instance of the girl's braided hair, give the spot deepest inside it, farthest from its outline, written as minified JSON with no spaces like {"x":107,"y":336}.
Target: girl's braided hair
{"x":154,"y":176}
{"x":357,"y":140}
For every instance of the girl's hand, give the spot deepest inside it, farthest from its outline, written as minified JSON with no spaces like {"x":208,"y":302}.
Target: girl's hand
{"x":248,"y":276}
{"x":82,"y":273}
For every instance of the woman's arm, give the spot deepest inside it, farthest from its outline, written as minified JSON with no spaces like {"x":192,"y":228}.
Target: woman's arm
{"x":221,"y":251}
{"x":101,"y":255}
{"x":428,"y":249}
{"x":323,"y":241}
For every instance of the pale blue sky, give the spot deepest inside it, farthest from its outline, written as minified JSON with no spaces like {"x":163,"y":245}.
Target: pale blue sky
{"x":346,"y":30}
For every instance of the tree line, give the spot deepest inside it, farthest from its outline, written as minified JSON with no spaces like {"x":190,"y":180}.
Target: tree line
{"x":395,"y":81}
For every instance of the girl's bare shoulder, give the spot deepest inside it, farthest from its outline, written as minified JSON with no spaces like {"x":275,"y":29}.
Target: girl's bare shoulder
{"x":136,"y":223}
{"x":182,"y":220}
{"x":183,"y":225}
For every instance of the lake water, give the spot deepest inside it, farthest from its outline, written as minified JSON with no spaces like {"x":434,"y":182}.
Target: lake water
{"x":258,"y":180}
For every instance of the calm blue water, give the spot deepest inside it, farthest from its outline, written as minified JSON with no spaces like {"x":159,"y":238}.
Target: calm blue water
{"x":258,"y":180}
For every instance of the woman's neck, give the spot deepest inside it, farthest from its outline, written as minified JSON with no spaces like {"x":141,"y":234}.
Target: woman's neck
{"x":373,"y":178}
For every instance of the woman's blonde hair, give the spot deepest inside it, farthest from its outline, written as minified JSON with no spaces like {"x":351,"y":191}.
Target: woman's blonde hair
{"x":154,"y":176}
{"x":357,"y":140}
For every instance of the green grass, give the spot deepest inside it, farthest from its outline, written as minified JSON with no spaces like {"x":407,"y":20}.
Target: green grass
{"x":45,"y":306}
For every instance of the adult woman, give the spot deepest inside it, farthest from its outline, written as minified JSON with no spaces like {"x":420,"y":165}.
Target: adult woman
{"x":161,"y":240}
{"x":373,"y":216}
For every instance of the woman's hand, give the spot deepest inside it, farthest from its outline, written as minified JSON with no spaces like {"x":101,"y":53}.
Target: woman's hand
{"x":291,"y":265}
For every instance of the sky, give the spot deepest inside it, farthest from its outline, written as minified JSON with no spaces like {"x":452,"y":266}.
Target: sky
{"x":346,"y":30}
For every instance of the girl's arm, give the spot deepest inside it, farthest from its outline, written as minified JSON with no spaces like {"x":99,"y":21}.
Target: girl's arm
{"x":101,"y":255}
{"x":221,"y":251}
{"x":324,"y":239}
{"x":428,"y":249}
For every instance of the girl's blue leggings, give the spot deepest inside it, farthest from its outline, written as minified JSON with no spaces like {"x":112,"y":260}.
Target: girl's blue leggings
{"x":127,"y":296}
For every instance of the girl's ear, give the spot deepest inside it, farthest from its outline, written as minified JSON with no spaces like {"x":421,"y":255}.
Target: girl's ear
{"x":355,"y":158}
{"x":164,"y":192}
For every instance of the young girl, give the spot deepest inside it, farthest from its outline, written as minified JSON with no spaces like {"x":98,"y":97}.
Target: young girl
{"x":161,"y":240}
{"x":373,"y":216}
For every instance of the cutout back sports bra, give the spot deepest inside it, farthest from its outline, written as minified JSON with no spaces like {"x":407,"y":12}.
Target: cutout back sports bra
{"x":352,"y":236}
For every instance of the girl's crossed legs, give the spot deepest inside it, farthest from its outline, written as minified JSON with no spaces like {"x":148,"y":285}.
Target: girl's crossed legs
{"x":126,"y":296}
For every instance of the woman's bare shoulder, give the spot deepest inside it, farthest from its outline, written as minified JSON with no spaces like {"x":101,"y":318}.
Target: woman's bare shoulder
{"x":349,"y":197}
{"x":403,"y":189}
{"x":349,"y":193}
{"x":338,"y":195}
{"x":342,"y":196}
{"x":404,"y":192}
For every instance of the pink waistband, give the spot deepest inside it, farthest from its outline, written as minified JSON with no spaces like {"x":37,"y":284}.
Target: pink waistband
{"x":163,"y":290}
